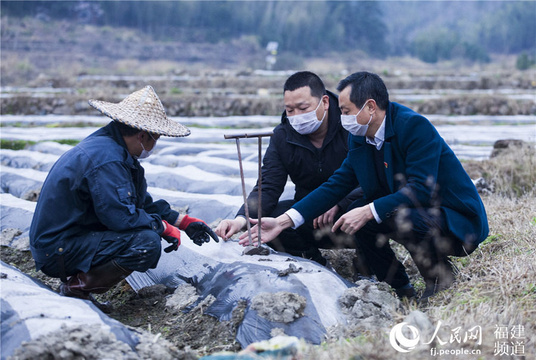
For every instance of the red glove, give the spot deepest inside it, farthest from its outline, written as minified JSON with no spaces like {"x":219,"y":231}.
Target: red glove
{"x":197,"y":230}
{"x":172,"y":235}
{"x":187,"y":220}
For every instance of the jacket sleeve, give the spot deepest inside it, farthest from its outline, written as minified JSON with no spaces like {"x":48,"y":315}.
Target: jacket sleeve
{"x":160,"y":207}
{"x":327,"y":195}
{"x":355,"y":194}
{"x":420,"y":149}
{"x":274,"y":178}
{"x":114,"y":199}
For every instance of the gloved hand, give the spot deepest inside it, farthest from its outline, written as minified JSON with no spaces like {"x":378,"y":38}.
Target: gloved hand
{"x":197,"y":230}
{"x":172,"y":235}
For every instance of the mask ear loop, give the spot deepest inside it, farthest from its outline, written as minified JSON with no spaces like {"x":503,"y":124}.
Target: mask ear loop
{"x":151,"y":135}
{"x":359,"y":112}
{"x":140,"y":140}
{"x":141,"y":143}
{"x":372,"y":114}
{"x":370,"y":119}
{"x":325,"y":111}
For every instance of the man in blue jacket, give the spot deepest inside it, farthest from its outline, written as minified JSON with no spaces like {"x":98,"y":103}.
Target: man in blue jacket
{"x":308,"y":146}
{"x":416,"y":191}
{"x":94,"y":222}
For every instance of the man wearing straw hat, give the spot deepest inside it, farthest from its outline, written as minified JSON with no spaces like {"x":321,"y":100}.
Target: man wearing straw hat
{"x":94,"y":222}
{"x":308,"y":146}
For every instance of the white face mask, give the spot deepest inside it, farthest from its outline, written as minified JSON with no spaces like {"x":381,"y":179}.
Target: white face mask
{"x":349,"y":122}
{"x":144,"y":153}
{"x":306,"y":123}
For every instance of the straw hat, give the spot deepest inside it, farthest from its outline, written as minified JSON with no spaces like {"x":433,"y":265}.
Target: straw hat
{"x":142,"y":110}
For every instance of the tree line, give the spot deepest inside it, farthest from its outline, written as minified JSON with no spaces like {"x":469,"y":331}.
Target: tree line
{"x":313,"y":28}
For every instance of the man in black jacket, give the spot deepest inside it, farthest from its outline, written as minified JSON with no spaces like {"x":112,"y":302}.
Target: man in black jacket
{"x":308,"y":146}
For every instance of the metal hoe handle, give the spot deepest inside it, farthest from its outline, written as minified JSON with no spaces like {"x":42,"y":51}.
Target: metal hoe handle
{"x":251,"y":135}
{"x":237,"y":138}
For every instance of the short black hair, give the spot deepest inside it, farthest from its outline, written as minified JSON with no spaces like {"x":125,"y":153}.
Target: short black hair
{"x":366,"y":86}
{"x":305,"y":78}
{"x":126,"y":130}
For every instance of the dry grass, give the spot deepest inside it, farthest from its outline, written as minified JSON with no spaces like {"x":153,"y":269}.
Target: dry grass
{"x":496,"y":286}
{"x":511,"y":173}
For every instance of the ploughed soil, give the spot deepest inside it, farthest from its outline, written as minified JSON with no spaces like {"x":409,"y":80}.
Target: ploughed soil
{"x":186,"y":335}
{"x":193,"y":332}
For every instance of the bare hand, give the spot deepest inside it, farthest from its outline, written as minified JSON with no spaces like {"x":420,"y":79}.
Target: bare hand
{"x":354,"y":220}
{"x":326,"y":219}
{"x":227,"y":228}
{"x":270,"y":228}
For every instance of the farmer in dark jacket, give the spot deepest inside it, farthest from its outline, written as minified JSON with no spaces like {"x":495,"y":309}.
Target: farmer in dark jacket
{"x":94,"y":222}
{"x":308,"y":146}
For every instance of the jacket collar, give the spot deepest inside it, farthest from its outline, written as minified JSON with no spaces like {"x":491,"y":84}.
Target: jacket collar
{"x":389,"y":116}
{"x":115,"y":134}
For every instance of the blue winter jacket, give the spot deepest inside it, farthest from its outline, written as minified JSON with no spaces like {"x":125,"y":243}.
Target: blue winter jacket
{"x":95,"y":186}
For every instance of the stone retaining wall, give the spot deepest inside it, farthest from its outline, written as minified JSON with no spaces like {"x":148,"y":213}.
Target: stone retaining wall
{"x":236,"y":105}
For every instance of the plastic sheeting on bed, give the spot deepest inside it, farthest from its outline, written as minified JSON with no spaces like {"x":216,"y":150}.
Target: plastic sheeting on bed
{"x":31,"y":310}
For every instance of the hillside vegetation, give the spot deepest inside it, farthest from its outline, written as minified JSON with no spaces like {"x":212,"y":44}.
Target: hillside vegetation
{"x":432,"y":31}
{"x":54,"y":67}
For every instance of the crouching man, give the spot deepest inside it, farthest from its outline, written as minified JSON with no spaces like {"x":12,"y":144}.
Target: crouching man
{"x":416,"y":191}
{"x":94,"y":222}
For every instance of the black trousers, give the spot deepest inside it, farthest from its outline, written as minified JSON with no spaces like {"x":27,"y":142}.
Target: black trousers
{"x":422,"y":232}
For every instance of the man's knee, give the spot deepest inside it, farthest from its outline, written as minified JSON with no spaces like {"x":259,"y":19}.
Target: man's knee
{"x":152,"y":242}
{"x":143,"y":253}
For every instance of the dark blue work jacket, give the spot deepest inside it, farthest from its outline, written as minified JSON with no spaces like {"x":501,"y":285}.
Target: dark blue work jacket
{"x":95,"y":186}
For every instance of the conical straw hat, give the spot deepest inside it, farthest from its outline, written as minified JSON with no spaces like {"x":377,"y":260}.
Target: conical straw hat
{"x":142,"y":110}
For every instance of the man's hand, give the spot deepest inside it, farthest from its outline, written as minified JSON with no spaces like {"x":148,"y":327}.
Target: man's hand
{"x":270,"y":228}
{"x":227,"y":228}
{"x":354,"y":220}
{"x":326,"y":219}
{"x":197,"y":230}
{"x":172,"y":235}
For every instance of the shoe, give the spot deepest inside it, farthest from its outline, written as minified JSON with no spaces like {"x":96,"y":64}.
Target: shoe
{"x":98,"y":280}
{"x":433,"y":288}
{"x":441,"y":278}
{"x":406,"y":292}
{"x":362,"y":271}
{"x":358,"y":277}
{"x":66,"y":290}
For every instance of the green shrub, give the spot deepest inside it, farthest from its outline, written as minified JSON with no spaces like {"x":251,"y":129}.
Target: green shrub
{"x":524,"y":61}
{"x":15,"y":144}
